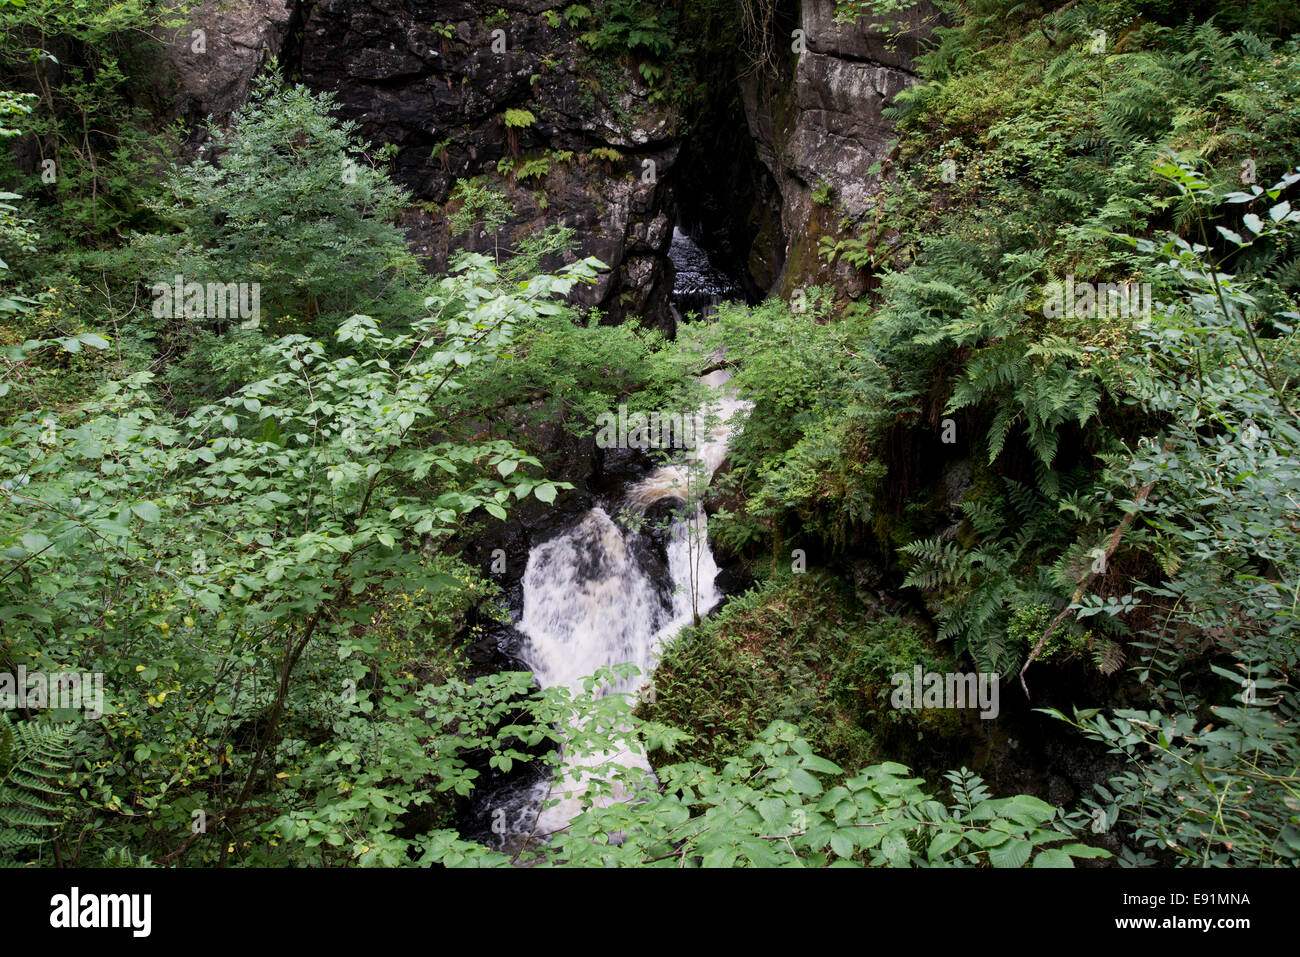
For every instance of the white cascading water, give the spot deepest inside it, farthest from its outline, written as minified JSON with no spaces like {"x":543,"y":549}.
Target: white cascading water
{"x":588,"y":603}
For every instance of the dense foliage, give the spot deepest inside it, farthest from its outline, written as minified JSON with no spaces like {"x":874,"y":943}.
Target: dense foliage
{"x":1132,"y":504}
{"x":254,"y":526}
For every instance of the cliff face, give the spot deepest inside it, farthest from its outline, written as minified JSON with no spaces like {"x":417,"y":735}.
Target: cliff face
{"x":597,"y":149}
{"x":215,"y":57}
{"x":435,"y":79}
{"x":824,"y":129}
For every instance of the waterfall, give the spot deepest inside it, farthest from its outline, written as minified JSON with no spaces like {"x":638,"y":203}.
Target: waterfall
{"x":598,"y":594}
{"x":698,"y":285}
{"x":590,"y":601}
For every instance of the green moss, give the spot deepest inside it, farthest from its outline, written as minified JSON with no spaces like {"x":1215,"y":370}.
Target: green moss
{"x":803,"y":262}
{"x":800,"y":649}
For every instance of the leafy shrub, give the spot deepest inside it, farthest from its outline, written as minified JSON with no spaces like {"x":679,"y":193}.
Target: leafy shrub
{"x":1224,"y":478}
{"x":779,"y":804}
{"x":626,"y":26}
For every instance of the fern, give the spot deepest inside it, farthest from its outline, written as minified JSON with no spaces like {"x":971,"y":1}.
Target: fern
{"x":519,"y":118}
{"x":33,"y":756}
{"x":975,"y":591}
{"x":605,"y":154}
{"x":575,"y":14}
{"x":937,"y":564}
{"x":535,"y":168}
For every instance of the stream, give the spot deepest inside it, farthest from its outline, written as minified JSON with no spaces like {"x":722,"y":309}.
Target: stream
{"x":597,"y":593}
{"x":699,"y":285}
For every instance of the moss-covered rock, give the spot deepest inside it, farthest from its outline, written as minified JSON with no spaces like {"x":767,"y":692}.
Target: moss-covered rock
{"x":804,"y":650}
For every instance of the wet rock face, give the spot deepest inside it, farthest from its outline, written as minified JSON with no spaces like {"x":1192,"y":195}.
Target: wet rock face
{"x":840,"y":132}
{"x":825,"y":128}
{"x":435,"y":79}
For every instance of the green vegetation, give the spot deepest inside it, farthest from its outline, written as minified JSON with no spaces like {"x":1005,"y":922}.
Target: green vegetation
{"x":605,"y":154}
{"x":778,"y":788}
{"x":33,"y":763}
{"x":1132,"y":506}
{"x":253,"y":520}
{"x":536,"y":168}
{"x":575,"y":14}
{"x":627,"y":27}
{"x":516,"y":120}
{"x":798,"y":650}
{"x":623,"y":36}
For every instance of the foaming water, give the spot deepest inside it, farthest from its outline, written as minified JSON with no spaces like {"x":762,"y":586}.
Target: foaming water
{"x":596,"y":596}
{"x":698,"y":285}
{"x":714,"y":431}
{"x":588,"y":602}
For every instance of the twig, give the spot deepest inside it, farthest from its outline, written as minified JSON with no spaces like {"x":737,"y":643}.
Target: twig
{"x":1088,"y":576}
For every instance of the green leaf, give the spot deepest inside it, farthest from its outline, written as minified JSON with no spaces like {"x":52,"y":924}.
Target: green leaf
{"x":1084,"y":850}
{"x":943,"y":842}
{"x":1052,"y":858}
{"x":814,"y":763}
{"x":35,"y":541}
{"x":804,"y":782}
{"x":987,"y":839}
{"x":771,"y":810}
{"x":894,"y":847}
{"x":1013,"y":853}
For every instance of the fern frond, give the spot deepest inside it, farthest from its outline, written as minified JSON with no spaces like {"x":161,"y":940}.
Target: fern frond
{"x":33,"y":757}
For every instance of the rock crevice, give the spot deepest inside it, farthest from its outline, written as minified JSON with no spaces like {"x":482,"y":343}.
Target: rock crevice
{"x":589,"y":144}
{"x":821,"y":133}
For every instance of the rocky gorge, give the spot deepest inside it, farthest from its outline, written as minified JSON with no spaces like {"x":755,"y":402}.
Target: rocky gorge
{"x":750,"y":160}
{"x":618,"y":158}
